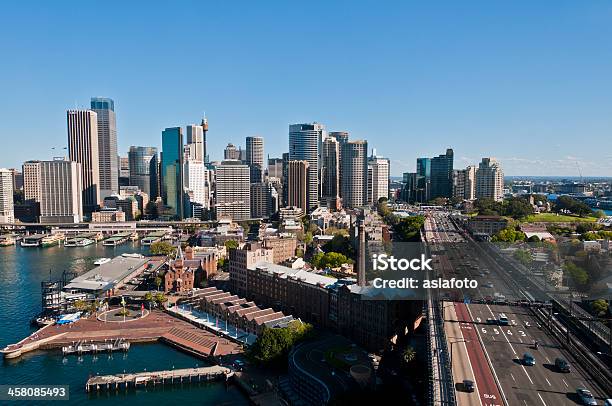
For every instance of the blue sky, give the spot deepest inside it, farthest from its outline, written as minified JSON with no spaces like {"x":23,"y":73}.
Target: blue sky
{"x":527,"y":82}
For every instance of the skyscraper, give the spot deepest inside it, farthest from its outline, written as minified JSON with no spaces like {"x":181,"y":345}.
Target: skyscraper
{"x":275,"y":168}
{"x":262,"y":200}
{"x":195,"y":143}
{"x":172,"y":170}
{"x":305,"y":145}
{"x":143,"y":164}
{"x":464,"y":183}
{"x":231,"y":152}
{"x":83,"y":148}
{"x":489,"y":180}
{"x":233,"y":190}
{"x":342,"y":137}
{"x":7,"y":209}
{"x":423,"y":184}
{"x":442,"y":175}
{"x":204,"y":125}
{"x":355,"y":174}
{"x":378,"y":178}
{"x":195,"y":178}
{"x":255,"y":157}
{"x":31,"y":181}
{"x":107,"y":145}
{"x":60,"y":192}
{"x":330,"y":173}
{"x":297,"y":184}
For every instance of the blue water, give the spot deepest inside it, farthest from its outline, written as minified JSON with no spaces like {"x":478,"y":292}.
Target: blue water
{"x":21,"y":271}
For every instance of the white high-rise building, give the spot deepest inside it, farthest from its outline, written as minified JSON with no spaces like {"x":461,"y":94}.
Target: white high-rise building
{"x":330,"y":173}
{"x":464,"y":183}
{"x":31,"y":181}
{"x":378,"y":178}
{"x":60,"y":192}
{"x":489,"y":180}
{"x":233,"y":190}
{"x":305,"y":145}
{"x":107,"y":145}
{"x":197,"y":181}
{"x":7,"y":209}
{"x":83,"y":148}
{"x":195,"y":142}
{"x":354,"y":174}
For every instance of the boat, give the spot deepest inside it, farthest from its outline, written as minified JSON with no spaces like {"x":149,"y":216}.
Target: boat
{"x":69,"y":318}
{"x":34,"y":240}
{"x":102,"y":261}
{"x":78,"y":242}
{"x":6,"y":241}
{"x":132,"y":255}
{"x":51,"y":240}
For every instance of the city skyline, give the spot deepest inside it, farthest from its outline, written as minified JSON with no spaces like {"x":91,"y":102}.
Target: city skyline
{"x":525,"y":94}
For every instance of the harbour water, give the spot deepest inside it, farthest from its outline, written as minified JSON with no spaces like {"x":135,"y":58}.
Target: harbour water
{"x":21,"y":271}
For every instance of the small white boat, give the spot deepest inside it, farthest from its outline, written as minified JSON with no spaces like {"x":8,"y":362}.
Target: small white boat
{"x":132,"y":255}
{"x":102,"y":261}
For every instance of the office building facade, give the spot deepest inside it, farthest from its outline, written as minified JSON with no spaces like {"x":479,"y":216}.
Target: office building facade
{"x":60,"y":191}
{"x":107,"y":145}
{"x":297,"y":184}
{"x":305,"y":145}
{"x":442,"y":175}
{"x":7,"y":209}
{"x":354,"y":174}
{"x":143,"y":163}
{"x":172,"y":171}
{"x":83,"y":147}
{"x":378,"y":178}
{"x":233,"y":190}
{"x":330,"y":173}
{"x":255,"y":158}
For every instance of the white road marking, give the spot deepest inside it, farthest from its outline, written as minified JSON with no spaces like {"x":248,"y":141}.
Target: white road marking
{"x":547,"y":359}
{"x":489,"y":359}
{"x":566,"y":385}
{"x":540,"y":396}
{"x":547,"y":381}
{"x":512,"y":376}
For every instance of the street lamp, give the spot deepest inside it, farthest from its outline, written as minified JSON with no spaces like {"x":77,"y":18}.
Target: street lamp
{"x":463,"y":340}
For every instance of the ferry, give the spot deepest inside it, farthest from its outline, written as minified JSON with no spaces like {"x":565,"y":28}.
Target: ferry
{"x":78,"y":242}
{"x":6,"y":240}
{"x":51,"y":240}
{"x":34,"y":240}
{"x":102,"y":261}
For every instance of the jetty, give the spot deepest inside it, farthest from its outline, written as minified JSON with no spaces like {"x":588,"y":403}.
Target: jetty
{"x":158,"y":378}
{"x":84,"y":347}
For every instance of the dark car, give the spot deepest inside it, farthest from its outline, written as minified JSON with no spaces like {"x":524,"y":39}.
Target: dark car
{"x":562,"y":365}
{"x":528,"y":359}
{"x":468,"y":385}
{"x":586,"y":397}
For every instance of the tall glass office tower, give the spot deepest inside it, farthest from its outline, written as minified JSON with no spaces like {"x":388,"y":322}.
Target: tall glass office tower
{"x":107,"y":145}
{"x":172,"y":170}
{"x":305,"y":145}
{"x":143,"y":169}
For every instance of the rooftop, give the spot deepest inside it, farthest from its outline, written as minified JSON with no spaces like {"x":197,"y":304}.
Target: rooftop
{"x":285,"y":272}
{"x":106,"y":276}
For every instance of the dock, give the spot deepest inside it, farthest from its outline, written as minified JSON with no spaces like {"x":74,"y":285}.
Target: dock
{"x":158,"y":378}
{"x":118,"y":239}
{"x":84,"y":347}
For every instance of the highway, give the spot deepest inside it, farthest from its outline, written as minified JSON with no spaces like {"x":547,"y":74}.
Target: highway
{"x":494,"y":352}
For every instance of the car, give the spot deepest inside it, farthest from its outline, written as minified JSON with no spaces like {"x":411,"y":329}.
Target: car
{"x":491,"y":321}
{"x":503,"y":320}
{"x":586,"y":397}
{"x":562,"y":365}
{"x":608,"y":402}
{"x":528,"y":359}
{"x":488,"y":285}
{"x":468,"y":385}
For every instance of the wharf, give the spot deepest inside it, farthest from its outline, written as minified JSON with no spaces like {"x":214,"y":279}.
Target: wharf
{"x":158,"y":378}
{"x":84,"y":347}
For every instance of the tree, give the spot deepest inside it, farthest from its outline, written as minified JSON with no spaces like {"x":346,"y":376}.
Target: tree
{"x":151,"y":210}
{"x":578,"y":274}
{"x":516,"y":207}
{"x":568,"y":204}
{"x":599,"y":214}
{"x":408,"y":355}
{"x":308,"y":238}
{"x":599,"y":307}
{"x":273,"y":344}
{"x":341,"y":244}
{"x":408,"y":228}
{"x":509,"y":234}
{"x":229,"y":244}
{"x":148,"y":297}
{"x":523,"y":256}
{"x":162,"y":248}
{"x":488,"y":207}
{"x":158,"y":281}
{"x":329,"y":260}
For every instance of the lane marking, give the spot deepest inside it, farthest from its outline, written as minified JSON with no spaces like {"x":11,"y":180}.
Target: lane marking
{"x":467,"y":354}
{"x":512,"y":376}
{"x":484,"y":347}
{"x":547,"y":359}
{"x":540,"y":396}
{"x":548,"y":381}
{"x":566,"y":385}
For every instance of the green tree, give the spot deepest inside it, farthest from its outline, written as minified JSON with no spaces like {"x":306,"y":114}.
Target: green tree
{"x":148,"y":297}
{"x":516,"y":207}
{"x":599,"y":214}
{"x":600,"y":307}
{"x":509,"y":234}
{"x":308,"y":238}
{"x":566,"y":203}
{"x":578,"y":274}
{"x":162,"y":248}
{"x":523,"y":256}
{"x":408,"y":228}
{"x":158,"y":281}
{"x":229,"y":244}
{"x":273,"y":344}
{"x":408,"y":355}
{"x":329,"y":260}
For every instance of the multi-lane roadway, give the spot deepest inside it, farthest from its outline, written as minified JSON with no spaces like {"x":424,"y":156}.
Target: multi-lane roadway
{"x":491,"y":354}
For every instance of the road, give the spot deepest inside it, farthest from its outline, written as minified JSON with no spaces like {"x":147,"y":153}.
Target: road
{"x":495,"y":352}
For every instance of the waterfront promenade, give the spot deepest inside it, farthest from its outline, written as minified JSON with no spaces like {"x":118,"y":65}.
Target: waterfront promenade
{"x":155,"y":326}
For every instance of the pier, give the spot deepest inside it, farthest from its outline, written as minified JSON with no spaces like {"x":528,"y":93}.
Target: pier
{"x":158,"y":378}
{"x":83,"y":347}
